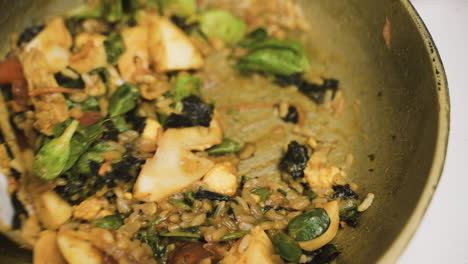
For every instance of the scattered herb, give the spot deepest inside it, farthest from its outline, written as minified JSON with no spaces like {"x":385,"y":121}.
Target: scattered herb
{"x":154,"y":241}
{"x":222,"y":25}
{"x":68,"y":82}
{"x":350,"y":215}
{"x":234,"y":235}
{"x":182,"y":8}
{"x":185,"y":86}
{"x":180,"y":205}
{"x":226,"y":147}
{"x":204,"y":194}
{"x":309,"y":225}
{"x":262,"y":192}
{"x":253,"y":37}
{"x":181,"y":235}
{"x":115,"y":47}
{"x":286,"y":247}
{"x":295,"y":160}
{"x":108,"y":222}
{"x":195,"y":113}
{"x":124,"y":99}
{"x":324,"y":255}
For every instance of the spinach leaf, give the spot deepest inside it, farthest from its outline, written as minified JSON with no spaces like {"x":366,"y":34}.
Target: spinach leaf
{"x":234,"y":235}
{"x":286,"y":247}
{"x":154,"y":241}
{"x":262,"y":192}
{"x":253,"y":37}
{"x":68,"y":82}
{"x":309,"y":225}
{"x":115,"y":47}
{"x":195,"y":113}
{"x":204,"y":194}
{"x":108,"y":222}
{"x":124,"y":99}
{"x":295,"y":160}
{"x":185,"y":86}
{"x":226,"y":147}
{"x":223,"y":25}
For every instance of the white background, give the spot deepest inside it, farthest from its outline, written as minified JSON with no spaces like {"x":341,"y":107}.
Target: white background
{"x":443,"y":234}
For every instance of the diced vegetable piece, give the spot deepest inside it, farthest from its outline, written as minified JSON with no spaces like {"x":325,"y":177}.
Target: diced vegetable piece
{"x":226,"y":147}
{"x":174,"y":166}
{"x":222,"y":25}
{"x":65,"y":81}
{"x":181,"y":235}
{"x":350,"y":215}
{"x":114,"y":10}
{"x":170,"y":48}
{"x":54,"y":211}
{"x":95,"y":56}
{"x":114,"y":47}
{"x":180,"y":205}
{"x":46,"y":249}
{"x":54,"y":42}
{"x":295,"y":160}
{"x":76,"y":250}
{"x":10,"y":70}
{"x":222,"y":178}
{"x":286,"y":247}
{"x":185,"y":86}
{"x":262,"y":192}
{"x":213,"y":196}
{"x":182,"y":8}
{"x":253,"y":37}
{"x":235,"y":235}
{"x":135,"y":59}
{"x":332,"y":210}
{"x":259,"y":250}
{"x":124,"y":99}
{"x":108,"y":222}
{"x":309,"y":225}
{"x":52,"y":158}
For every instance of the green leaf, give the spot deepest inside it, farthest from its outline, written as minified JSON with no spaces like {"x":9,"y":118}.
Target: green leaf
{"x":310,"y":194}
{"x":154,"y":241}
{"x":114,"y":10}
{"x":52,"y":158}
{"x":115,"y":47}
{"x":262,"y":192}
{"x":124,"y":99}
{"x":286,"y":247}
{"x":182,"y":8}
{"x":226,"y":147}
{"x":223,"y":25}
{"x":234,"y":235}
{"x":108,"y":222}
{"x":253,"y":37}
{"x":180,"y":205}
{"x":93,"y":154}
{"x":185,"y":86}
{"x":309,"y":225}
{"x":91,"y":104}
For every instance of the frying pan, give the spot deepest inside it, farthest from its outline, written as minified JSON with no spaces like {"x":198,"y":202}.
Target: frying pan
{"x":399,"y":92}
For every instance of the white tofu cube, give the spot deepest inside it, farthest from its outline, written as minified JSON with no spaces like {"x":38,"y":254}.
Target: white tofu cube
{"x":222,"y":178}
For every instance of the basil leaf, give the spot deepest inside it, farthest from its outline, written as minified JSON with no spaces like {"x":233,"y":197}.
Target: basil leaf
{"x":226,"y":147}
{"x":309,"y":225}
{"x":108,"y":222}
{"x":262,"y":192}
{"x":223,"y":25}
{"x":286,"y":247}
{"x":114,"y":48}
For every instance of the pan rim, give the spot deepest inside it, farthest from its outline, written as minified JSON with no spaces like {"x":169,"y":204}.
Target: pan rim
{"x":399,"y":245}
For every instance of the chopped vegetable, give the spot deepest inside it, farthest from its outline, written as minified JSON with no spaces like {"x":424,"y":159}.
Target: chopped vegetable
{"x":262,"y":192}
{"x":154,"y":241}
{"x":234,"y":235}
{"x":182,"y":8}
{"x":195,"y":113}
{"x":182,"y":235}
{"x":295,"y":160}
{"x":115,"y":47}
{"x":253,"y":37}
{"x":180,"y":205}
{"x":10,"y":71}
{"x":344,"y":192}
{"x":223,"y":25}
{"x":108,"y":222}
{"x":52,"y":158}
{"x":309,"y":225}
{"x":93,"y":154}
{"x":286,"y":247}
{"x":68,"y":82}
{"x":29,"y":33}
{"x":350,"y":215}
{"x":204,"y":194}
{"x":226,"y":147}
{"x":124,"y":99}
{"x":185,"y":86}
{"x":324,"y":255}
{"x":276,"y":57}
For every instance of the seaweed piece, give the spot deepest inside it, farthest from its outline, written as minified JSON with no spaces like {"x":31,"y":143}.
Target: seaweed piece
{"x":68,"y":82}
{"x":344,"y":192}
{"x":110,"y":133}
{"x":29,"y":33}
{"x":323,"y":255}
{"x":195,"y":113}
{"x":350,"y":215}
{"x":316,"y":92}
{"x":204,"y":194}
{"x":292,"y":116}
{"x":295,"y":160}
